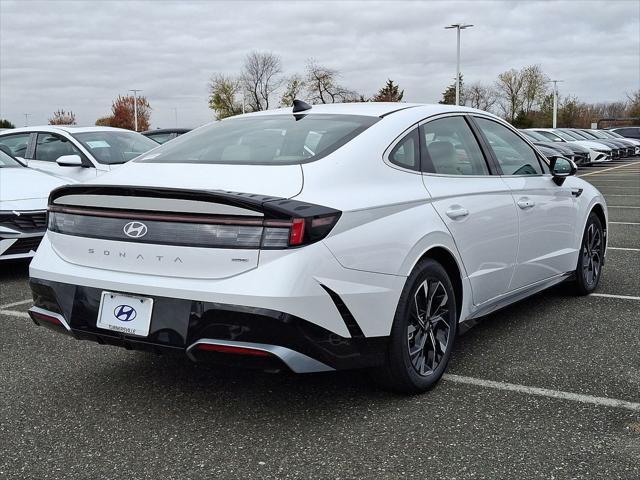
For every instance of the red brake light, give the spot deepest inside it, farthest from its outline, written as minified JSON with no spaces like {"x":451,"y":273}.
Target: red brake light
{"x":296,"y":233}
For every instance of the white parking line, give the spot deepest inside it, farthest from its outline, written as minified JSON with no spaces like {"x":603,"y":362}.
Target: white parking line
{"x":624,"y":223}
{"x":544,"y":392}
{"x":621,"y":195}
{"x":14,"y":313}
{"x":622,"y":206}
{"x":610,"y":168}
{"x":624,"y":248}
{"x":14,"y":304}
{"x":610,"y":295}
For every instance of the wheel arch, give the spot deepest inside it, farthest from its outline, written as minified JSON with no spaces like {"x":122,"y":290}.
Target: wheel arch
{"x":449,"y":262}
{"x":598,"y":209}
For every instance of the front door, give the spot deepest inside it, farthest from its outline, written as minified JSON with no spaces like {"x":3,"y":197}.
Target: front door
{"x":50,"y":147}
{"x":546,"y":211}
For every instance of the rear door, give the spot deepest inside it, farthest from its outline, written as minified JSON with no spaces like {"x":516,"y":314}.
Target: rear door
{"x":546,"y":211}
{"x":51,"y":146}
{"x":476,"y":205}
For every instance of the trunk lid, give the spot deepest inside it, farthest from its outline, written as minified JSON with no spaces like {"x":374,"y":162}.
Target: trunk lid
{"x":209,"y":225}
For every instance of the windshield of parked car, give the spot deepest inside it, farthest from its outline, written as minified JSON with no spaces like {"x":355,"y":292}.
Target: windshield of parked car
{"x":598,"y":135}
{"x":569,"y":137}
{"x":578,"y":135}
{"x":7,"y":161}
{"x":535,"y":136}
{"x":551,"y":136}
{"x":263,"y":140}
{"x":610,"y":134}
{"x":112,"y":146}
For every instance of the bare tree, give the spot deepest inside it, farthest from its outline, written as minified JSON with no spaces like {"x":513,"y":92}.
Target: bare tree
{"x":223,"y":91}
{"x":534,"y":87}
{"x":294,"y":88}
{"x":322,"y":85}
{"x":480,"y":96}
{"x":261,"y":78}
{"x":510,"y":86}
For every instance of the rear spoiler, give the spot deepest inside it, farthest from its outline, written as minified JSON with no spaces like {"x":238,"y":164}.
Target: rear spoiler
{"x":269,"y":206}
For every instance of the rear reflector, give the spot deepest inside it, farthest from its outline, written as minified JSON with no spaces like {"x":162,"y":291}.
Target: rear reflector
{"x":234,"y":350}
{"x":38,"y":317}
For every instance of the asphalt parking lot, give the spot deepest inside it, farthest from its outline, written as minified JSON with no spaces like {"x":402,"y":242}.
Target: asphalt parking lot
{"x":548,"y":388}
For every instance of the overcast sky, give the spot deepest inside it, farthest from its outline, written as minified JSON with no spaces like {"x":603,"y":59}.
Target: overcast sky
{"x":79,"y":55}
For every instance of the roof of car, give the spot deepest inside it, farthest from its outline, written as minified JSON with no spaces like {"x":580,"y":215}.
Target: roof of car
{"x":166,"y":130}
{"x":61,"y":128}
{"x":372,"y":109}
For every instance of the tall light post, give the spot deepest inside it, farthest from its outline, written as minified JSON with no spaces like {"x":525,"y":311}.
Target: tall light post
{"x":458,"y":27}
{"x":26,"y":119}
{"x":135,"y":107}
{"x":555,"y":101}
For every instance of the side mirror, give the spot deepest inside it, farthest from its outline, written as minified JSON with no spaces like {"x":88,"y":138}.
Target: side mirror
{"x":562,"y":168}
{"x":69,"y":161}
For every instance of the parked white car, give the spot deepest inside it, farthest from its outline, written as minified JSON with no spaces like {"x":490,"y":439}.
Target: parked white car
{"x":599,"y":152}
{"x":327,"y":237}
{"x":81,"y":153}
{"x":23,"y":207}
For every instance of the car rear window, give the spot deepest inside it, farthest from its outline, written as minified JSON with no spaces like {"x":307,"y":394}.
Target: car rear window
{"x":263,"y":140}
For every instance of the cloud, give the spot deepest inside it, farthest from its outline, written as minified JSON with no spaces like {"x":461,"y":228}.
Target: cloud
{"x":80,"y":55}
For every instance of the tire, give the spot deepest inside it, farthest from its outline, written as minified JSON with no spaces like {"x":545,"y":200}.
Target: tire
{"x":418,"y":371}
{"x":591,"y":257}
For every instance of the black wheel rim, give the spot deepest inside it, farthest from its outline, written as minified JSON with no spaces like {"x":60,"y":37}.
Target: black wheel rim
{"x":592,"y":255}
{"x":429,"y":327}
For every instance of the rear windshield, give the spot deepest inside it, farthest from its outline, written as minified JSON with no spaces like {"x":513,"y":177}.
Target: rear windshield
{"x":263,"y":140}
{"x":114,"y":146}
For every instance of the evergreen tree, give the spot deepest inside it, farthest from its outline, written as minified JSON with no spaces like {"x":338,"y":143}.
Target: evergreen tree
{"x":449,"y":95}
{"x":389,"y":93}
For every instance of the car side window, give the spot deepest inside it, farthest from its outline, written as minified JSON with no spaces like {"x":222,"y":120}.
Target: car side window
{"x":50,"y":147}
{"x":514,"y":155}
{"x":160,"y":137}
{"x":450,"y":148}
{"x":16,"y":143}
{"x":406,"y":153}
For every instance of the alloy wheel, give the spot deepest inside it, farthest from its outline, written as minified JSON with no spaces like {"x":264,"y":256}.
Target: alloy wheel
{"x":592,"y":255}
{"x":428,"y":330}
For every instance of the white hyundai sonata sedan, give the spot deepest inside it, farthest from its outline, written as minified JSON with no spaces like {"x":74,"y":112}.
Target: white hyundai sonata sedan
{"x":323,"y":238}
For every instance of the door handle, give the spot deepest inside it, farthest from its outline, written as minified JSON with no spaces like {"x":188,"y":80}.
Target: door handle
{"x":457,"y":212}
{"x":525,"y":203}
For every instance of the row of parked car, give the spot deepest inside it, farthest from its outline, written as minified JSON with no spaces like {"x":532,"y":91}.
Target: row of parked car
{"x":35,"y":160}
{"x":583,"y":146}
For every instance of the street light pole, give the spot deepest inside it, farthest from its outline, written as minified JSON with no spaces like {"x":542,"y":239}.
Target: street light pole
{"x":26,"y":119}
{"x":458,"y":27}
{"x":135,"y":107}
{"x":555,"y":101}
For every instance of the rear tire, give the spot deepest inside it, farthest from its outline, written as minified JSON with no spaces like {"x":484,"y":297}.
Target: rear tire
{"x":423,"y":332}
{"x":591,"y":257}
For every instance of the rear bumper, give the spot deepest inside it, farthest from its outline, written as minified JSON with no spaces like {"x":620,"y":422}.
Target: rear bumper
{"x":210,"y":332}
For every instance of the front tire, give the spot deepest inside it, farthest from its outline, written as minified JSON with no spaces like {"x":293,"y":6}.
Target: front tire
{"x":591,"y":257}
{"x":423,"y":332}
